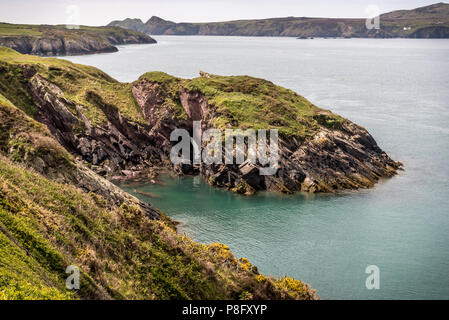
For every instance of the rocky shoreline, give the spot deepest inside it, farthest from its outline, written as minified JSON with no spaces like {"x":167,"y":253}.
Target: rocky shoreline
{"x":59,"y":41}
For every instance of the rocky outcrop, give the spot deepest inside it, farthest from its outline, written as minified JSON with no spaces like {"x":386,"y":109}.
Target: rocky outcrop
{"x":55,"y":41}
{"x":45,"y":156}
{"x":346,"y":158}
{"x":318,"y":150}
{"x":113,"y":148}
{"x":333,"y":159}
{"x":55,"y":212}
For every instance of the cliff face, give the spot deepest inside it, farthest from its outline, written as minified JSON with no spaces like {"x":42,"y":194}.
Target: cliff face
{"x":55,"y":212}
{"x":123,"y":130}
{"x":57,"y":208}
{"x":318,"y":151}
{"x":56,"y":41}
{"x":432,"y":32}
{"x":402,"y":23}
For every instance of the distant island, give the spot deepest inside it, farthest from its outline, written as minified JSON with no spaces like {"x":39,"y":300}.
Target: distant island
{"x":46,"y":40}
{"x":425,"y":22}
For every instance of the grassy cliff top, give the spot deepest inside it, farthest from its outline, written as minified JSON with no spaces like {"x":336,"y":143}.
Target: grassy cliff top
{"x":246,"y":102}
{"x":15,"y":30}
{"x":75,"y":80}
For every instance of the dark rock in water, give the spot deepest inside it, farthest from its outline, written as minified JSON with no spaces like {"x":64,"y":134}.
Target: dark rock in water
{"x":146,"y":194}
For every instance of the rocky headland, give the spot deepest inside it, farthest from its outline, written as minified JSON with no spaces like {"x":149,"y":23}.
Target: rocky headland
{"x":55,"y":211}
{"x":46,"y":40}
{"x":122,"y":130}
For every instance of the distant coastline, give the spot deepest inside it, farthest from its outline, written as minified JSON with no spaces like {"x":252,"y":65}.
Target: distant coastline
{"x":425,"y":22}
{"x":45,"y":40}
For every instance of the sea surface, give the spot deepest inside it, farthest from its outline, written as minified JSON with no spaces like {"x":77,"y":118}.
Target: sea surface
{"x":396,"y":88}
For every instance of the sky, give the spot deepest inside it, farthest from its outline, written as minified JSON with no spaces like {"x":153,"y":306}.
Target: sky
{"x":101,"y":12}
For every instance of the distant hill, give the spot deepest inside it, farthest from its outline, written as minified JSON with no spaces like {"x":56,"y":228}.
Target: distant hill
{"x":45,"y":40}
{"x":425,"y":22}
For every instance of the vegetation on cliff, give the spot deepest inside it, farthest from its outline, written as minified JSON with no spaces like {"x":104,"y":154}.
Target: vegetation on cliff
{"x":122,"y":252}
{"x":425,"y":22}
{"x":244,"y":102}
{"x":80,"y":84}
{"x":45,"y":40}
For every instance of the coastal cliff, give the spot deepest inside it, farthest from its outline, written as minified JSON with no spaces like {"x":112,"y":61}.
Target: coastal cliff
{"x":318,"y":150}
{"x":59,"y":40}
{"x":425,"y":22}
{"x":122,"y":130}
{"x":66,"y":130}
{"x":55,"y":212}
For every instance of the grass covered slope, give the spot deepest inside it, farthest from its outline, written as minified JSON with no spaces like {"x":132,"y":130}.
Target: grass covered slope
{"x":46,"y":40}
{"x":46,"y":226}
{"x":79,"y":84}
{"x":244,"y":102}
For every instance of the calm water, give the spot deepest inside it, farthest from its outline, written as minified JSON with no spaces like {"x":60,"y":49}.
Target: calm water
{"x":399,"y":91}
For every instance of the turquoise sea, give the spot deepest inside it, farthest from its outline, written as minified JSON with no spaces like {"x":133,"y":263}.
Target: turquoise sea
{"x":396,"y":88}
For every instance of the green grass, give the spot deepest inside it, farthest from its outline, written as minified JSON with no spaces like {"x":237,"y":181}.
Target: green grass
{"x":250,"y":103}
{"x":7,"y":29}
{"x":238,"y":102}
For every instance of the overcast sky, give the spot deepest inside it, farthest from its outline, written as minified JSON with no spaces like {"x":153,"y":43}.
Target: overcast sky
{"x":101,"y":12}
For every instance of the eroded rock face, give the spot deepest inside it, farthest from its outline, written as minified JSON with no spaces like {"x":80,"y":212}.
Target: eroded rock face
{"x":195,"y":104}
{"x":150,"y":97}
{"x":332,"y":160}
{"x":346,"y":157}
{"x":112,"y":147}
{"x":53,"y":162}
